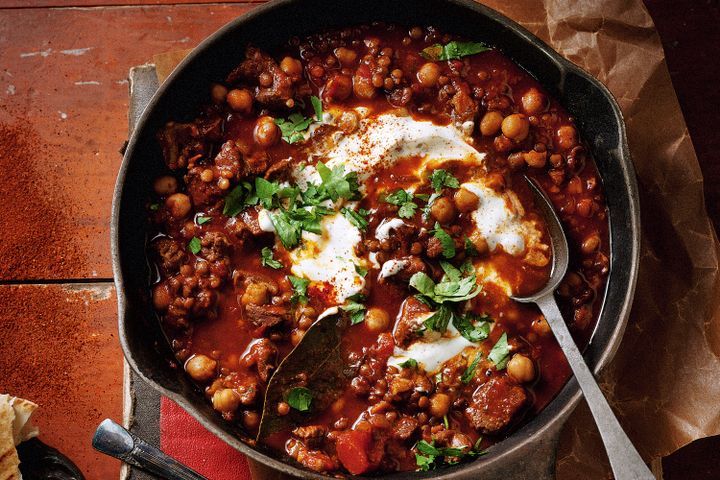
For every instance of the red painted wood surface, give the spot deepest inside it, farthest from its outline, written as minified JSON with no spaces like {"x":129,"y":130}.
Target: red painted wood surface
{"x":63,"y":90}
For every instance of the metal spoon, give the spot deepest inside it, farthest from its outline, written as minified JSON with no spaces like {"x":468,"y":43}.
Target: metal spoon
{"x":625,"y":461}
{"x":112,"y":439}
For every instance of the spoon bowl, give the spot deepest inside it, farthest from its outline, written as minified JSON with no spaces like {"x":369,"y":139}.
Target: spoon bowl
{"x":625,"y":461}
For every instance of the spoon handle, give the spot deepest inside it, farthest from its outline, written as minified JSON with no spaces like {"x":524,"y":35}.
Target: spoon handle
{"x":625,"y":460}
{"x":112,"y":439}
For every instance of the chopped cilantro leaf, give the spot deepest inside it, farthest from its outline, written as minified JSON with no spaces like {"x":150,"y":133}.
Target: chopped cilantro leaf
{"x":317,"y":106}
{"x":500,"y":352}
{"x":409,"y":363}
{"x":356,"y":310}
{"x":299,"y":286}
{"x":404,"y":200}
{"x":453,"y":50}
{"x":446,"y":422}
{"x":194,"y":245}
{"x":357,"y":218}
{"x":470,"y":371}
{"x":439,"y":320}
{"x":448,"y":244}
{"x":202,"y":220}
{"x":154,"y":206}
{"x":288,"y":230}
{"x":473,"y":329}
{"x":336,"y":183}
{"x":239,"y":197}
{"x":265,"y":191}
{"x":442,"y":178}
{"x":445,"y":291}
{"x":360,"y":270}
{"x":267,"y":260}
{"x":470,"y":249}
{"x":300,"y":399}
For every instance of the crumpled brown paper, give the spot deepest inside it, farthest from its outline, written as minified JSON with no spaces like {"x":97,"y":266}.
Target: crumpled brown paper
{"x":664,"y":381}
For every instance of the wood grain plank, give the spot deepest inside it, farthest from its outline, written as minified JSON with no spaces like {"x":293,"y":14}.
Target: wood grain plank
{"x":63,"y":119}
{"x":59,"y":348}
{"x":108,"y":3}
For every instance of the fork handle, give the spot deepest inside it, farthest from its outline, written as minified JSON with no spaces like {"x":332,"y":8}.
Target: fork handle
{"x":625,"y":460}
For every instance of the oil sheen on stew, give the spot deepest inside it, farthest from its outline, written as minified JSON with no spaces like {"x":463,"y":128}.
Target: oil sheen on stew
{"x":374,"y":174}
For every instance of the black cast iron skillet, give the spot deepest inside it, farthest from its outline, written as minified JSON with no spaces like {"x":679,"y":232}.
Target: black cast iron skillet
{"x":530,"y":451}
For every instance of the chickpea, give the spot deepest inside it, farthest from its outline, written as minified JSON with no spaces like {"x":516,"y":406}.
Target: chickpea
{"x":283,"y":408}
{"x":265,"y":79}
{"x":443,"y":210}
{"x":296,"y":335}
{"x":566,"y":137}
{"x":240,"y":100}
{"x":541,"y":326}
{"x":533,"y":102}
{"x":428,"y":74}
{"x":416,"y":33}
{"x":201,"y":368}
{"x":225,"y":400}
{"x":516,"y":127}
{"x":465,"y":200}
{"x":179,"y":205}
{"x":345,"y":56}
{"x":256,"y":294}
{"x":161,"y":297}
{"x":218,"y":93}
{"x":348,"y":122}
{"x":251,"y":420}
{"x":535,"y":159}
{"x":291,"y":66}
{"x":479,"y":243}
{"x":590,"y":244}
{"x":521,"y":368}
{"x":439,"y":405}
{"x":377,"y":320}
{"x":207,"y":175}
{"x":223,"y":184}
{"x":338,"y":87}
{"x":266,"y":133}
{"x":363,"y":87}
{"x":165,"y":185}
{"x":490,"y":123}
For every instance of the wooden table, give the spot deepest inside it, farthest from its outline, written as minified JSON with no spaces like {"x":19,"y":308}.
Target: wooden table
{"x":63,"y":104}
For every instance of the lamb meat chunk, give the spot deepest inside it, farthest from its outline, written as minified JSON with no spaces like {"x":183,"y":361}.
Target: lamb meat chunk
{"x":170,"y":254}
{"x":413,"y":265}
{"x":315,"y":460}
{"x":202,"y":193}
{"x":258,"y":64}
{"x":404,"y":428}
{"x":179,"y":142}
{"x":495,"y":404}
{"x":409,"y":322}
{"x":215,"y":246}
{"x":312,"y":435}
{"x":266,"y":315}
{"x":434,"y":247}
{"x":262,"y":354}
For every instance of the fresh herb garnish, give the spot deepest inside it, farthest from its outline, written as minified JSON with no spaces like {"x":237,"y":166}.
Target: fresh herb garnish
{"x":360,"y":270}
{"x":299,"y":286}
{"x":447,"y":290}
{"x":202,"y":220}
{"x":430,"y":200}
{"x":267,"y":260}
{"x":296,"y":124}
{"x":442,"y":178}
{"x":239,"y":197}
{"x":446,"y":422}
{"x":470,"y":249}
{"x":194,"y":245}
{"x":453,"y":50}
{"x":448,"y":244}
{"x":357,"y":218}
{"x":336,"y":184}
{"x":300,"y":399}
{"x":439,"y":320}
{"x":475,"y":329}
{"x":404,"y":200}
{"x":430,"y":456}
{"x":355,"y":308}
{"x":409,"y":363}
{"x":288,"y":231}
{"x":266,"y":191}
{"x":470,"y":371}
{"x":154,"y":206}
{"x":500,"y":352}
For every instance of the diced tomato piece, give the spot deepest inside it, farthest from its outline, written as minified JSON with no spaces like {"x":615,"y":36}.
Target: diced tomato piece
{"x":352,"y":450}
